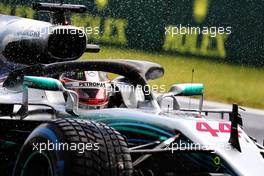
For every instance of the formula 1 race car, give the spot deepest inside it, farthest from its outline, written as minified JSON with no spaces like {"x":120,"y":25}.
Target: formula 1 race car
{"x":44,"y":133}
{"x":67,"y":118}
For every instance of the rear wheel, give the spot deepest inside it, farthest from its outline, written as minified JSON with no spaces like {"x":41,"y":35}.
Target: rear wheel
{"x":66,"y":147}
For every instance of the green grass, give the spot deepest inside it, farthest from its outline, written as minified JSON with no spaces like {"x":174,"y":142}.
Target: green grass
{"x":223,"y":82}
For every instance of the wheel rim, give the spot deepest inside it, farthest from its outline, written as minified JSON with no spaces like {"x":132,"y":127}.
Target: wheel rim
{"x":37,"y":164}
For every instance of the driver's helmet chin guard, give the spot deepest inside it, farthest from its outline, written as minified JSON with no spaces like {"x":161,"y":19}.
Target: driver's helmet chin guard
{"x":92,"y":88}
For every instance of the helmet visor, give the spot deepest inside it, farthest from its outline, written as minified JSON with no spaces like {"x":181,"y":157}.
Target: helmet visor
{"x":93,"y":96}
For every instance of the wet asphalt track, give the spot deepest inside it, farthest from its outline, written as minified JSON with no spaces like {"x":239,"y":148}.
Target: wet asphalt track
{"x":253,"y":119}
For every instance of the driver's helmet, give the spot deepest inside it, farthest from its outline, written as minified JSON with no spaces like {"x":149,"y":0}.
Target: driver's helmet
{"x":91,"y":87}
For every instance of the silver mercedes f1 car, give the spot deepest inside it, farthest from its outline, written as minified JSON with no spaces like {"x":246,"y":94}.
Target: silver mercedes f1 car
{"x":54,"y":121}
{"x":136,"y":134}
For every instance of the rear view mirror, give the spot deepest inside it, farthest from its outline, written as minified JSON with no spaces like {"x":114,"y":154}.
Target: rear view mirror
{"x":44,"y":83}
{"x":188,"y":89}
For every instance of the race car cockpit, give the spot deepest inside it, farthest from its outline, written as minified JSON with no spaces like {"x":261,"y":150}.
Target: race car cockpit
{"x":129,"y":90}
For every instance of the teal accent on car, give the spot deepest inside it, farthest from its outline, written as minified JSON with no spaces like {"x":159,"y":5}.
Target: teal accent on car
{"x":137,"y":125}
{"x":196,"y":89}
{"x":132,"y":125}
{"x":188,"y":89}
{"x":6,"y":144}
{"x":139,"y":131}
{"x":99,"y":118}
{"x":42,"y":83}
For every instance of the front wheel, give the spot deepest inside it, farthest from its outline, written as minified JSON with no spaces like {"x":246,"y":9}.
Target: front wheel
{"x":67,"y":147}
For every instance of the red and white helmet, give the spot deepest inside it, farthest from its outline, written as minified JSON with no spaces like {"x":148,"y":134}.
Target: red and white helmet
{"x":91,"y":86}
